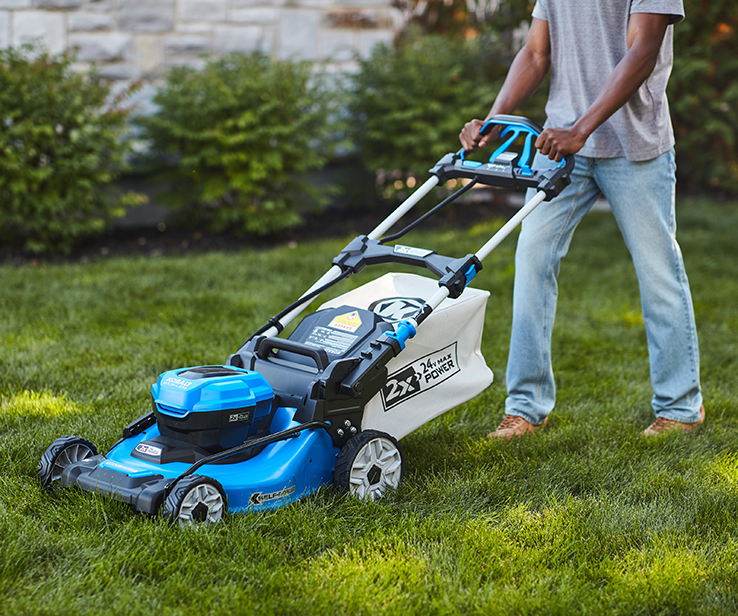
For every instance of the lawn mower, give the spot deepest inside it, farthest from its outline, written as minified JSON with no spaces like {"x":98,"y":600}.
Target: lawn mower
{"x":284,"y":416}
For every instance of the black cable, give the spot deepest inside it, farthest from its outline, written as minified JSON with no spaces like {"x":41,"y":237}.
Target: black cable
{"x":304,"y":299}
{"x":415,"y":223}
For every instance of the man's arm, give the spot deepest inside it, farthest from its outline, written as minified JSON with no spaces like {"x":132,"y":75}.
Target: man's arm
{"x":645,"y":35}
{"x":526,"y":73}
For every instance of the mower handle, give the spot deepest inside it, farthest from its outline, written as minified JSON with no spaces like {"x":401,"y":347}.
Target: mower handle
{"x":506,"y":173}
{"x":505,"y":168}
{"x":515,"y":125}
{"x":264,"y":347}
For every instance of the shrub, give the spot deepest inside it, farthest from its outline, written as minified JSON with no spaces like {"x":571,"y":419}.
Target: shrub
{"x":411,"y":101}
{"x":236,"y":140}
{"x":703,"y":93}
{"x":60,"y":147}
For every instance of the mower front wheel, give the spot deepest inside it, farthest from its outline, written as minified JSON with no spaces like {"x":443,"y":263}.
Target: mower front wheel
{"x":61,"y":453}
{"x":196,"y":499}
{"x":369,"y":464}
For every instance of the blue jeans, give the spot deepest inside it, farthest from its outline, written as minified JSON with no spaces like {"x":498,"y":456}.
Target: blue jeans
{"x":641,"y":196}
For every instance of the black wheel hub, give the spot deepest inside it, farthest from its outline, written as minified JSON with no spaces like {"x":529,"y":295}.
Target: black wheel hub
{"x":200,"y":512}
{"x":374,"y":475}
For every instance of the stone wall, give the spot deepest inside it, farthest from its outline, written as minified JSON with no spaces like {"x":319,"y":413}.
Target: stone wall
{"x":138,"y":39}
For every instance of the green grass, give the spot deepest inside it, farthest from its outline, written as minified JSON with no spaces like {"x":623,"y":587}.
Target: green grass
{"x":585,"y":517}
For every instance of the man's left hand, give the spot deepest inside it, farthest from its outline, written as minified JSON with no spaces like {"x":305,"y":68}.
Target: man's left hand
{"x":558,"y":142}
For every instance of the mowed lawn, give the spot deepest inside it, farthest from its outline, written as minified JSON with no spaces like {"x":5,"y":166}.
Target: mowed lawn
{"x":587,"y":516}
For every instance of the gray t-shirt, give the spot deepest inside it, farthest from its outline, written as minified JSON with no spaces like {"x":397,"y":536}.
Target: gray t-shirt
{"x":588,"y":39}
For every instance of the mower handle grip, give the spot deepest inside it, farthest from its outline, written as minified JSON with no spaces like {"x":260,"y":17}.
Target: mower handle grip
{"x":515,"y":125}
{"x":265,"y":345}
{"x":508,"y":169}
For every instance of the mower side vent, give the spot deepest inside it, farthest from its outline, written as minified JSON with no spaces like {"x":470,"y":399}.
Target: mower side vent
{"x":171,"y":410}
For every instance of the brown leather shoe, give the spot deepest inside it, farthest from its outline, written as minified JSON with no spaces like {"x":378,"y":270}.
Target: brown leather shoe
{"x":512,"y":425}
{"x":662,"y":424}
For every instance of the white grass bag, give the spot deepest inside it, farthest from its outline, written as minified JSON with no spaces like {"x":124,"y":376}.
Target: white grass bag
{"x":440,"y":368}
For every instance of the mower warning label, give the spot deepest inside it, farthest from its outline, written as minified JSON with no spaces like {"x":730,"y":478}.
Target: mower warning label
{"x":333,"y":341}
{"x":348,"y":322}
{"x":421,"y":375}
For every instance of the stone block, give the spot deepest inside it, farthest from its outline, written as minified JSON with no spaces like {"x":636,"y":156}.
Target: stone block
{"x":148,"y":56}
{"x":244,"y":39}
{"x":43,"y":27}
{"x":96,"y":47}
{"x":361,"y":3}
{"x":99,"y":5}
{"x":58,"y":4}
{"x":312,"y":4}
{"x":81,"y":67}
{"x":368,"y":39}
{"x":197,"y":64}
{"x":254,"y":15}
{"x":338,"y":45}
{"x":116,"y":71}
{"x":298,"y":34}
{"x":182,"y":44}
{"x":202,"y":10}
{"x":15,"y":4}
{"x":89,"y":22}
{"x":4,"y":29}
{"x":274,"y":3}
{"x":194,"y":28}
{"x":146,"y":15}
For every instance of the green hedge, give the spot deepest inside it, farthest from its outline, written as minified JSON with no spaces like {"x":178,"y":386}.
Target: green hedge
{"x":236,"y":140}
{"x":60,"y":147}
{"x":703,"y":94}
{"x":409,"y":102}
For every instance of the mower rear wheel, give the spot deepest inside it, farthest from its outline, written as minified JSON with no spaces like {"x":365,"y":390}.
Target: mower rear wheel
{"x":369,"y":464}
{"x":61,"y":453}
{"x":196,"y":499}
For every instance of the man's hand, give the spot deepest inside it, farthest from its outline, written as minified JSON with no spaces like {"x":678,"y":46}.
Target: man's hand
{"x":470,"y":138}
{"x":558,"y":142}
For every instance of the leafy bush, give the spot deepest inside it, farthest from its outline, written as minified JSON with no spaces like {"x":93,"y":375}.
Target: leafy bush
{"x":410,"y":102}
{"x":236,"y":139}
{"x":60,"y":146}
{"x":703,"y":94}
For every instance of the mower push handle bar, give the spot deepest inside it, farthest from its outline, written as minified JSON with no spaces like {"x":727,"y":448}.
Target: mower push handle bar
{"x":507,"y":169}
{"x":516,"y":123}
{"x":549,"y":183}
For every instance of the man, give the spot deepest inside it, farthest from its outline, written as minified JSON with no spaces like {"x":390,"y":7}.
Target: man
{"x":610,"y":62}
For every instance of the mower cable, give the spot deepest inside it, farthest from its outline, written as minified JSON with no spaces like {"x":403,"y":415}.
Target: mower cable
{"x":430,"y":213}
{"x":265,"y":440}
{"x":275,"y":320}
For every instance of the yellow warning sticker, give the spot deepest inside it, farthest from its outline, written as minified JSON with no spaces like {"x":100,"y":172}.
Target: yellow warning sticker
{"x":348,"y":322}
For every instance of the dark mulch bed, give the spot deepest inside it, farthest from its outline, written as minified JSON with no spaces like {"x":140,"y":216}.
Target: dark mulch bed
{"x":339,"y":220}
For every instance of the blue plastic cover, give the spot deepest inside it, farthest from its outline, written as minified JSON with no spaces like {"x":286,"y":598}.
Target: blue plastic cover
{"x":178,"y":394}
